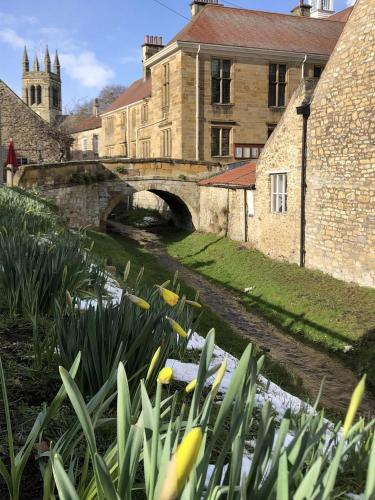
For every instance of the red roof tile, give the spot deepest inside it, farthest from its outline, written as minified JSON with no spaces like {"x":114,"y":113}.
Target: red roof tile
{"x":82,"y":123}
{"x":138,"y":90}
{"x":243,"y":176}
{"x":342,"y":16}
{"x":261,"y":30}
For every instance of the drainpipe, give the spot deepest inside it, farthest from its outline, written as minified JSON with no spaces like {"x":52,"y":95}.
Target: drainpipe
{"x":1,"y":144}
{"x":303,"y":67}
{"x":303,"y":110}
{"x":197,"y":107}
{"x":245,"y":212}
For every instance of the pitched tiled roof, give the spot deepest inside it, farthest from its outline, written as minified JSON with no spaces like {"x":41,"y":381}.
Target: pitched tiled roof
{"x":261,"y":30}
{"x":243,"y":176}
{"x":138,"y":90}
{"x":342,"y":16}
{"x":82,"y":123}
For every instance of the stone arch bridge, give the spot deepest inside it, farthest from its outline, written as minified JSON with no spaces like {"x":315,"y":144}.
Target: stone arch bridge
{"x":86,"y":192}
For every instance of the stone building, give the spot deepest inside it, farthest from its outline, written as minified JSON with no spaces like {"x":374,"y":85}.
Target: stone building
{"x":228,"y":200}
{"x":86,"y":134}
{"x":41,"y":88}
{"x":315,"y":199}
{"x":35,"y":140}
{"x":218,"y":89}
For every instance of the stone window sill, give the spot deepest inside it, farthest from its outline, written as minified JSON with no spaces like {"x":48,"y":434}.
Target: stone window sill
{"x":277,"y":108}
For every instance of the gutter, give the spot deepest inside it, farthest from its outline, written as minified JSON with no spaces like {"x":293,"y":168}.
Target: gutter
{"x":303,"y":110}
{"x":230,"y":50}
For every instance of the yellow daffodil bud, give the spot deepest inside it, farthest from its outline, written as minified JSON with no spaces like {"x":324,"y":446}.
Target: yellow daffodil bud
{"x":181,"y":464}
{"x":177,"y":328}
{"x":168,"y":296}
{"x":190,"y":387}
{"x":219,"y":376}
{"x":354,"y":405}
{"x":69,"y":299}
{"x":193,"y":303}
{"x":187,"y":454}
{"x":165,"y":376}
{"x":154,"y":360}
{"x":138,"y":301}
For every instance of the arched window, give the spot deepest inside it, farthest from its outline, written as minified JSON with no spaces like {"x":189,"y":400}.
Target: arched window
{"x":32,"y":95}
{"x":27,"y":97}
{"x":38,"y":94}
{"x":55,"y":97}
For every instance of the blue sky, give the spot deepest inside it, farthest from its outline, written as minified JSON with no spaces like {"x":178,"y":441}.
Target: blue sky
{"x":98,"y":41}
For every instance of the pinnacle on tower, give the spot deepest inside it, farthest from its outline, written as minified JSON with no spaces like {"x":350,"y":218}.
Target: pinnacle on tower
{"x":47,"y":61}
{"x":56,"y":64}
{"x":25,"y":61}
{"x":36,"y":66}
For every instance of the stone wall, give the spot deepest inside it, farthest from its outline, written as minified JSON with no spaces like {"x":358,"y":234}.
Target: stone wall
{"x":278,"y":234}
{"x":150,"y":201}
{"x":77,"y":152}
{"x":340,"y":237}
{"x":32,"y":136}
{"x":223,"y":211}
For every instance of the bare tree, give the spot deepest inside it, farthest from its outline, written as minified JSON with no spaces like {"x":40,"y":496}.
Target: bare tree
{"x":106,"y":96}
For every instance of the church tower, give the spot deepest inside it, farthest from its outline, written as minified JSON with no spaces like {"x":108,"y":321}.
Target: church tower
{"x":41,"y":89}
{"x":321,"y":8}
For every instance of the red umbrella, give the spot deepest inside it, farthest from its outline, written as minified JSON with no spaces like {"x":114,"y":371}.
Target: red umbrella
{"x":11,"y":156}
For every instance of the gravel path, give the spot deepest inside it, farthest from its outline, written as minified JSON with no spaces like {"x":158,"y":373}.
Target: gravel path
{"x":310,"y":364}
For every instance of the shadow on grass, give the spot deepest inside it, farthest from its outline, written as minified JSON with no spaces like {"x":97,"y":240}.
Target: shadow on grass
{"x":279,"y":316}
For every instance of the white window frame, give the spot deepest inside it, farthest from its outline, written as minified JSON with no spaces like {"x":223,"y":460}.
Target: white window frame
{"x":279,"y":197}
{"x":84,"y":145}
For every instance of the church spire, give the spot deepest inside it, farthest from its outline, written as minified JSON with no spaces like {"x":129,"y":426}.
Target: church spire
{"x":25,"y":61}
{"x":47,"y":61}
{"x":36,"y":66}
{"x":56,"y":65}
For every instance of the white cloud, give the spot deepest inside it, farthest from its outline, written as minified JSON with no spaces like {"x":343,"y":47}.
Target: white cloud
{"x":87,"y":69}
{"x":10,"y":37}
{"x":349,"y":3}
{"x":11,"y":19}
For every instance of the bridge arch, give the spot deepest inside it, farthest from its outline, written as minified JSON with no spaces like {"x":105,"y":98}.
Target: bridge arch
{"x":183,"y":201}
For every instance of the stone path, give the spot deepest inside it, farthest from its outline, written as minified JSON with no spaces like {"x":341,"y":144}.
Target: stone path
{"x":310,"y":364}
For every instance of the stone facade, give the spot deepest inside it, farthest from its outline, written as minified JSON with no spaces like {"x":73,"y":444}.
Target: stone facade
{"x":86,"y":144}
{"x":224,"y":210}
{"x":277,"y":234}
{"x":179,"y":109}
{"x":249,"y":117}
{"x":340,"y":237}
{"x":33,"y":138}
{"x":41,"y":88}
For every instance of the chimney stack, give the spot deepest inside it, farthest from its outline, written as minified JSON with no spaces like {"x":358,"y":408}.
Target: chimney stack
{"x":302,"y":10}
{"x":150,"y":47}
{"x":95,"y":107}
{"x":197,"y":5}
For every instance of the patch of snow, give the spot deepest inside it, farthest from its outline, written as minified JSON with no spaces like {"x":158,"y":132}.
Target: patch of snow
{"x":279,"y":399}
{"x":113,"y":290}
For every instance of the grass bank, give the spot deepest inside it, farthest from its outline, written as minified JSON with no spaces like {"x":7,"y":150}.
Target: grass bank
{"x":117,"y":251}
{"x":309,"y":304}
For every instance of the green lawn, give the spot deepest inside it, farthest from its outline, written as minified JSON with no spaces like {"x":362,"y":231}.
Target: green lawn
{"x":309,"y":304}
{"x":117,"y":251}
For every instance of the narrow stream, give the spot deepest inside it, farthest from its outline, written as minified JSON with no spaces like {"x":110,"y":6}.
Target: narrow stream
{"x":310,"y":364}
